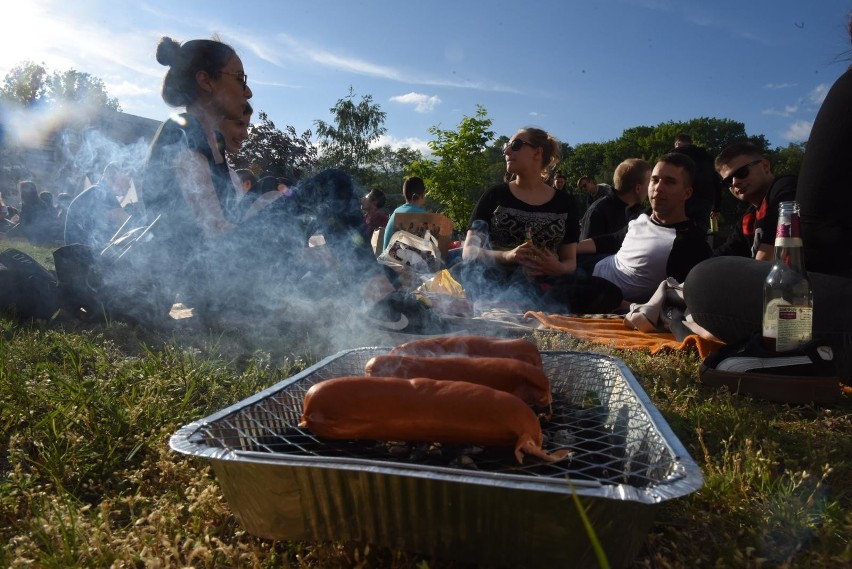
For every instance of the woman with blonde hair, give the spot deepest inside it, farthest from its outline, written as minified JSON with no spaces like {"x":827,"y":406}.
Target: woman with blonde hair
{"x":521,"y":246}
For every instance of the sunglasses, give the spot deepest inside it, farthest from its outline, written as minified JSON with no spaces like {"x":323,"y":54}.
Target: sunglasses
{"x":740,"y":174}
{"x":516,"y":145}
{"x":242,"y":77}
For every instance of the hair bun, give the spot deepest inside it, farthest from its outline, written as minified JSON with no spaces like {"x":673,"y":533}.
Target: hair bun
{"x":167,"y":51}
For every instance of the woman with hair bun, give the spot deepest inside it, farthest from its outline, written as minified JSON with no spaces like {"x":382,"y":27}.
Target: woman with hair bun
{"x":200,"y":246}
{"x":521,"y":246}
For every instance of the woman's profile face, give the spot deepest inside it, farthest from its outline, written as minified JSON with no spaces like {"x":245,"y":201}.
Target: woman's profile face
{"x":520,"y":153}
{"x":232,"y":90}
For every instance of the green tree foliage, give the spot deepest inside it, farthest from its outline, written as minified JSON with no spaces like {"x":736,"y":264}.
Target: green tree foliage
{"x":599,"y":159}
{"x":25,"y":84}
{"x":386,"y":171}
{"x":345,"y":143}
{"x":787,"y":159}
{"x":30,"y":83}
{"x":268,"y":150}
{"x":460,"y":173}
{"x":496,"y":160}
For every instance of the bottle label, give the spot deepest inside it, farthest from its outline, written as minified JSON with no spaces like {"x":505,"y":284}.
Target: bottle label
{"x":794,"y":326}
{"x":788,"y":241}
{"x":770,"y":317}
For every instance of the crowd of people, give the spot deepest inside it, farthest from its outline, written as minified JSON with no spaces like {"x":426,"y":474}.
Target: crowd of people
{"x":530,"y":241}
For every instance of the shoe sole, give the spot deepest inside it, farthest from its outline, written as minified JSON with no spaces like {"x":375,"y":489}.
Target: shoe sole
{"x":797,"y":390}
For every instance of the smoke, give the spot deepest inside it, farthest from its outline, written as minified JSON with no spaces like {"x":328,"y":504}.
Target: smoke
{"x":258,"y":274}
{"x":61,"y":145}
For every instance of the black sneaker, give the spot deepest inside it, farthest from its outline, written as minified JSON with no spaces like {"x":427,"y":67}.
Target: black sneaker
{"x":802,"y":376}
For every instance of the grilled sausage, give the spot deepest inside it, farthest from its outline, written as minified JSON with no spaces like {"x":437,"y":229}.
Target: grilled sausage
{"x":422,"y":410}
{"x":520,"y":378}
{"x":483,"y":346}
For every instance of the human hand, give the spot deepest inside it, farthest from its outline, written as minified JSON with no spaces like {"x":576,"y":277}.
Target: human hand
{"x":537,"y":261}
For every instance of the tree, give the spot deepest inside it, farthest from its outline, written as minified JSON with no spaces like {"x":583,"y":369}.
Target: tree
{"x":74,"y":86}
{"x":268,"y":150}
{"x":346,"y":143}
{"x":461,"y":174}
{"x":25,"y":84}
{"x":788,"y":159}
{"x":386,"y":170}
{"x":29,"y":83}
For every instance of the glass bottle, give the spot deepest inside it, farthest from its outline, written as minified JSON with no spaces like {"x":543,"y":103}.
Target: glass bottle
{"x":787,"y":294}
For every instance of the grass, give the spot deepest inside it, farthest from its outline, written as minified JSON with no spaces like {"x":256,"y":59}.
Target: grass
{"x":88,"y":479}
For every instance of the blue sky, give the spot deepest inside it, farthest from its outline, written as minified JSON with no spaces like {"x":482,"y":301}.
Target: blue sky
{"x":583,"y":70}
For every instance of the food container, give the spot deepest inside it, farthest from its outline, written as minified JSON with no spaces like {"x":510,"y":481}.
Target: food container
{"x":461,"y":503}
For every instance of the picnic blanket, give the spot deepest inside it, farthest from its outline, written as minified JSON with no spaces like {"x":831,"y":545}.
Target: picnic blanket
{"x":613,"y":332}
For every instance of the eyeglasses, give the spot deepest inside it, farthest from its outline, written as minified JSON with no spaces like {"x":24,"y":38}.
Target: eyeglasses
{"x":516,"y":145}
{"x":243,"y":78}
{"x":740,"y":174}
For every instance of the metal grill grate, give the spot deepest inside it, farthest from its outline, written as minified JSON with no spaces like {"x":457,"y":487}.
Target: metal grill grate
{"x":596,"y":413}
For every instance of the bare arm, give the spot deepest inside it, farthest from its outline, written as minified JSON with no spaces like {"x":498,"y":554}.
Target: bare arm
{"x":196,"y":184}
{"x":765,"y":252}
{"x":586,"y":247}
{"x":473,"y":250}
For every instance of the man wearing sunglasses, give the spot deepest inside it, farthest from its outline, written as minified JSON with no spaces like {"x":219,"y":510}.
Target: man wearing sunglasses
{"x":748,"y":176}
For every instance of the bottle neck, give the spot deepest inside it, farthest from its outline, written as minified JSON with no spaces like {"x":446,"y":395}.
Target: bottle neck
{"x":788,"y":251}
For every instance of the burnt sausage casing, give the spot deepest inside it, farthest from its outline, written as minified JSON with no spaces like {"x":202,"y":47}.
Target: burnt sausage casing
{"x":422,"y":410}
{"x":481,"y":346}
{"x":517,"y":377}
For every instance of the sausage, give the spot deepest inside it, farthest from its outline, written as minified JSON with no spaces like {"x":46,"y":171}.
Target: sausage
{"x":520,"y":378}
{"x":483,"y":346}
{"x":423,"y":410}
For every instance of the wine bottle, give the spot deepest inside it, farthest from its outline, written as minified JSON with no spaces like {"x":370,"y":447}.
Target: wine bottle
{"x":787,"y":294}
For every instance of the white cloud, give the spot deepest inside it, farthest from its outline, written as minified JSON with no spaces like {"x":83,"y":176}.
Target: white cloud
{"x":409,"y":142}
{"x":422,"y":103}
{"x":799,"y":131}
{"x":817,"y":95}
{"x":779,"y":85}
{"x":788,"y":110}
{"x":301,"y":51}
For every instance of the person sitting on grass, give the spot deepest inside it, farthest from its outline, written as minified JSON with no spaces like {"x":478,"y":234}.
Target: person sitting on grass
{"x":725,"y":294}
{"x":621,"y":204}
{"x":748,"y":175}
{"x":199,"y":248}
{"x":521,"y":244}
{"x":414,"y":192}
{"x":652,"y":247}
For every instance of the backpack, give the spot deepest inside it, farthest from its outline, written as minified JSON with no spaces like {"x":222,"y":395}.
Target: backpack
{"x":27,"y":289}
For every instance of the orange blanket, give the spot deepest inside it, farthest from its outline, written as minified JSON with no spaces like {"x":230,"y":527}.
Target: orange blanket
{"x":613,"y":332}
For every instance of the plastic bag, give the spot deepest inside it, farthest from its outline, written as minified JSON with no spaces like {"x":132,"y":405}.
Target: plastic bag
{"x":410,"y":252}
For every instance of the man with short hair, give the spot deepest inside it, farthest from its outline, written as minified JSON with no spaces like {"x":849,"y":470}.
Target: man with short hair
{"x":653,"y":247}
{"x":748,"y":176}
{"x":589,"y":192}
{"x":706,"y":187}
{"x":621,"y":204}
{"x":95,"y":215}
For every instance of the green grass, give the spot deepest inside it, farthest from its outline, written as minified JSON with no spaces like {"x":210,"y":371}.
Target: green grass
{"x":88,"y":479}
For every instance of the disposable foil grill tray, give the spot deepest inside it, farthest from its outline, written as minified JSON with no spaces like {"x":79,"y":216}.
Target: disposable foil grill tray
{"x":624,"y":462}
